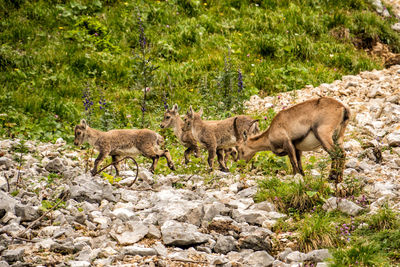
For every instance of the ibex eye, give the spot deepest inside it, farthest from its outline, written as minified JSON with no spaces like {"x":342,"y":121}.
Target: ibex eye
{"x":168,"y":117}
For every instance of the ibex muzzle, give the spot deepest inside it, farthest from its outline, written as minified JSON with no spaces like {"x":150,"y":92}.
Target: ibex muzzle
{"x":304,"y":127}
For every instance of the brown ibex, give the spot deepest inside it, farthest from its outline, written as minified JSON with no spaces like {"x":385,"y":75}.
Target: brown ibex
{"x":119,"y":143}
{"x":304,"y":127}
{"x":174,"y":121}
{"x":216,"y":136}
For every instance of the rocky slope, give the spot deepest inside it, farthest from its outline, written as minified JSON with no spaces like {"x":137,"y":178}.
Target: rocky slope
{"x":153,"y":223}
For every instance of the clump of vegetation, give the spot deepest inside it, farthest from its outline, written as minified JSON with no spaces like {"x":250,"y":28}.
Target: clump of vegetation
{"x":294,"y":196}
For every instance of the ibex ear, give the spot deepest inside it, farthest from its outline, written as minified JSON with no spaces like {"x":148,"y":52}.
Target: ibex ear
{"x":190,"y":112}
{"x":83,"y":123}
{"x":175,"y":108}
{"x":201,"y":111}
{"x":254,"y":127}
{"x":244,"y":135}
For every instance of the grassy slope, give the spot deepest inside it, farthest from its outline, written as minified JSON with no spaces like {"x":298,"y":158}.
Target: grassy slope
{"x":52,"y":50}
{"x":50,"y":54}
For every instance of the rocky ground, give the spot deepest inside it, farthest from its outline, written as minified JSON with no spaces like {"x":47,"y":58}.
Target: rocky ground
{"x":153,"y":223}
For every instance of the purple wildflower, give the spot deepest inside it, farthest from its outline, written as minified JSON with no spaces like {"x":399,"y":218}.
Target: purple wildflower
{"x":240,"y":81}
{"x":142,"y":36}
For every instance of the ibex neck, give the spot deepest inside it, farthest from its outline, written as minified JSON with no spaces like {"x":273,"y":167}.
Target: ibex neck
{"x":92,"y":135}
{"x":178,"y":126}
{"x":260,"y":142}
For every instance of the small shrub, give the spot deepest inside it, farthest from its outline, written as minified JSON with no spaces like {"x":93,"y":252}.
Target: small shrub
{"x":385,"y":219}
{"x":317,"y":231}
{"x":294,"y":196}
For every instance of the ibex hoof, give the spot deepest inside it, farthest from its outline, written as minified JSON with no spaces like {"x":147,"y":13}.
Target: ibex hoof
{"x":333,"y":177}
{"x":172,"y":167}
{"x":93,"y":172}
{"x":224,"y":169}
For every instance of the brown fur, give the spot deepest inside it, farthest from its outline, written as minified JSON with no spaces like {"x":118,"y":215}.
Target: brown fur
{"x":304,"y":127}
{"x":216,"y":136}
{"x":119,"y":143}
{"x":174,"y":121}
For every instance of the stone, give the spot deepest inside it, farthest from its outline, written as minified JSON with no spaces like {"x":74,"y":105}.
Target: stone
{"x":138,"y":250}
{"x":13,"y":255}
{"x":56,"y":166}
{"x":3,"y":264}
{"x":318,"y":255}
{"x":248,"y":192}
{"x":26,"y":212}
{"x":265,"y":205}
{"x":396,"y":26}
{"x":255,"y":238}
{"x":225,"y":244}
{"x":214,"y":209}
{"x":330,"y":204}
{"x":295,"y":256}
{"x":181,"y":234}
{"x":137,"y":231}
{"x":6,"y":163}
{"x":255,"y":216}
{"x":154,"y":232}
{"x":90,"y":189}
{"x":78,"y":263}
{"x":393,"y":139}
{"x":7,"y":203}
{"x":63,"y":248}
{"x":160,"y":249}
{"x":124,"y":214}
{"x":349,"y":207}
{"x":259,"y":259}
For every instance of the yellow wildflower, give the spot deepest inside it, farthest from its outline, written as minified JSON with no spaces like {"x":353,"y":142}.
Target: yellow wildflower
{"x":61,"y":28}
{"x":251,"y":74}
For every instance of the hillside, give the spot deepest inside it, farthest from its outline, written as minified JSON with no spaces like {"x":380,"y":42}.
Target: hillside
{"x":57,"y":54}
{"x":260,"y":216}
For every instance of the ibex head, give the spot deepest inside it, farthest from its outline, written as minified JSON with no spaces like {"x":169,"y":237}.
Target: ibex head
{"x":190,"y":117}
{"x":244,"y":151}
{"x":80,"y":133}
{"x":170,"y":117}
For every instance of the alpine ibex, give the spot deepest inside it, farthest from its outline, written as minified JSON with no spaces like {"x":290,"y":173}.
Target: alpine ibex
{"x":304,"y":127}
{"x":174,"y":121}
{"x":119,"y":143}
{"x":216,"y":136}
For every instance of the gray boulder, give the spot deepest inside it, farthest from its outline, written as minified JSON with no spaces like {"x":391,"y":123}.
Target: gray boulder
{"x":259,"y":259}
{"x":56,"y":165}
{"x":255,"y":238}
{"x":181,"y":234}
{"x":225,"y":244}
{"x":26,"y":212}
{"x":318,"y":255}
{"x":90,"y":189}
{"x":137,"y":230}
{"x":13,"y":255}
{"x":7,"y":203}
{"x":393,"y":139}
{"x":138,"y":250}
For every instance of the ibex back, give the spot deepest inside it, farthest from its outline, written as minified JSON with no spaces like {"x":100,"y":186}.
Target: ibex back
{"x":304,"y":127}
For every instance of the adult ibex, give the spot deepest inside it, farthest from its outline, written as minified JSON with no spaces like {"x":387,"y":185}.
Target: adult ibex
{"x":304,"y":127}
{"x":216,"y":136}
{"x":119,"y":143}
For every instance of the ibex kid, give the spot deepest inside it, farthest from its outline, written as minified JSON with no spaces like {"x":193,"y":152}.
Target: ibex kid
{"x":119,"y":143}
{"x":216,"y":136}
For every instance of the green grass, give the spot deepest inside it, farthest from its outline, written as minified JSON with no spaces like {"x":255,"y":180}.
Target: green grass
{"x":52,"y":50}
